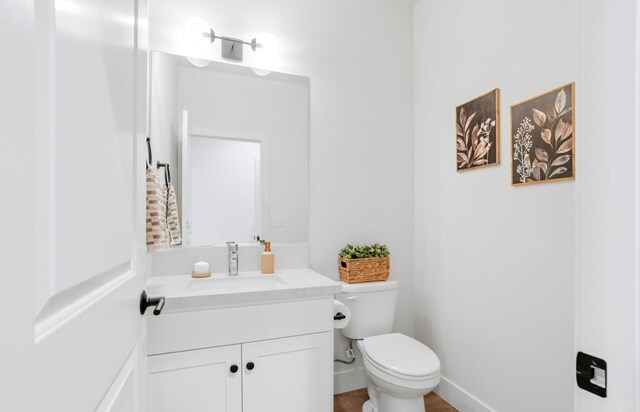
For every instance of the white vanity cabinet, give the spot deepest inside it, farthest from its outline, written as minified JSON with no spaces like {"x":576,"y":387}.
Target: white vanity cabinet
{"x":290,"y":374}
{"x":283,"y":352}
{"x":197,"y":380}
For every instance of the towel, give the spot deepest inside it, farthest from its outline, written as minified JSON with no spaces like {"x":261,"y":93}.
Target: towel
{"x":157,"y":237}
{"x":173,"y":220}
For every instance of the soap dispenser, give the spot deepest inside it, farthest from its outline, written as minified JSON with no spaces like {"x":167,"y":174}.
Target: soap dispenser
{"x":267,"y":260}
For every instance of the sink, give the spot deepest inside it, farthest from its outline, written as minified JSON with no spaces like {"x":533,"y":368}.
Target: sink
{"x":237,"y":283}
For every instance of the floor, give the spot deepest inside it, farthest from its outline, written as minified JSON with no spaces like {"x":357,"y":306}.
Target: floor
{"x":352,"y":402}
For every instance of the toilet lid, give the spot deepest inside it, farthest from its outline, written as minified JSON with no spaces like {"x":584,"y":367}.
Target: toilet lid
{"x":401,"y":354}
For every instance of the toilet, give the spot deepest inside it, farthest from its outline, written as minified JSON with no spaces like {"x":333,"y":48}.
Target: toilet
{"x":400,"y":370}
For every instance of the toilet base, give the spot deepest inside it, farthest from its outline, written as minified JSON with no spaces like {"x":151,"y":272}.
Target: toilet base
{"x":368,"y":407}
{"x":391,"y":404}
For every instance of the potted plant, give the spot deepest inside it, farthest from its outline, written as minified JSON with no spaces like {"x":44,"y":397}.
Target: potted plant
{"x":367,"y":263}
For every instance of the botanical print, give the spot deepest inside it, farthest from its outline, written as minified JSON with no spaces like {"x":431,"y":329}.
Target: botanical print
{"x":478,"y":132}
{"x":542,"y":138}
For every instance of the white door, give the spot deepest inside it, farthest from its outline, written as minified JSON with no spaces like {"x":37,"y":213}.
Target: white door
{"x":607,"y":200}
{"x":290,"y":374}
{"x":73,"y":89}
{"x":197,"y":380}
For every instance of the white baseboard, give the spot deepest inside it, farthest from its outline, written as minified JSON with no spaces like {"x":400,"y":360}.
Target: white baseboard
{"x":349,"y":379}
{"x":460,"y":399}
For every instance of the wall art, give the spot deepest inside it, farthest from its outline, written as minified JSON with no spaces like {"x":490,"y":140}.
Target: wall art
{"x":478,"y":132}
{"x":543,"y":138}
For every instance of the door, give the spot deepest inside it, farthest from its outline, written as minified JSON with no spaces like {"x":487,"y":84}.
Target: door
{"x":289,"y":374}
{"x":607,"y":201}
{"x":197,"y":380}
{"x":75,"y":87}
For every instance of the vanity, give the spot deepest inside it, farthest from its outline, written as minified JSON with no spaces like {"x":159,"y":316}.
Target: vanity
{"x":248,"y":343}
{"x":236,"y":146}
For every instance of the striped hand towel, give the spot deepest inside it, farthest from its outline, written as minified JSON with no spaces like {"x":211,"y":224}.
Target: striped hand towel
{"x":157,"y":237}
{"x":173,"y":220}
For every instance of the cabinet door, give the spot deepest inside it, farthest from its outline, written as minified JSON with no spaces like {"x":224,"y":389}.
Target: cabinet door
{"x":290,"y":374}
{"x":198,"y":380}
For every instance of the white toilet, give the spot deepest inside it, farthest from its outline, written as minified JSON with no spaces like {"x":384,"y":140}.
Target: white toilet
{"x":400,"y":370}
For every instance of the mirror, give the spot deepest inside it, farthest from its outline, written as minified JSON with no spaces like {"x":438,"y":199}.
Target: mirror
{"x":237,"y":148}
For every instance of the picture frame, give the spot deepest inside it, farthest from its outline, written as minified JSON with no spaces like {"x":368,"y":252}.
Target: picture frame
{"x":477,"y":125}
{"x":543,"y":137}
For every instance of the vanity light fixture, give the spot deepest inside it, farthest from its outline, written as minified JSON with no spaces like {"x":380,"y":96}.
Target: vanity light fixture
{"x":265,"y":46}
{"x":232,"y":48}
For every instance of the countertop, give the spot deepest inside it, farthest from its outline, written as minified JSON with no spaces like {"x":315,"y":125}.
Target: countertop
{"x":183,"y":292}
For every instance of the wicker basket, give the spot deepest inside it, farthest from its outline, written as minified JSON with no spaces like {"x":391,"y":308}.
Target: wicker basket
{"x":364,"y":270}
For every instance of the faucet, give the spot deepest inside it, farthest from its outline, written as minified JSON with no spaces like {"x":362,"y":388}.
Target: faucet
{"x":233,"y":258}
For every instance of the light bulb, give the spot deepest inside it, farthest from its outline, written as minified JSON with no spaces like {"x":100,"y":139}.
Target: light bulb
{"x":267,"y":54}
{"x":196,"y":42}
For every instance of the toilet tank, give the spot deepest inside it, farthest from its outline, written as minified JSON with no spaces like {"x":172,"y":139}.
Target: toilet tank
{"x":373,"y":307}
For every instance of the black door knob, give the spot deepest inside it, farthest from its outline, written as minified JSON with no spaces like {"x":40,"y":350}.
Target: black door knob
{"x":250,"y":366}
{"x":233,"y":368}
{"x":146,"y":301}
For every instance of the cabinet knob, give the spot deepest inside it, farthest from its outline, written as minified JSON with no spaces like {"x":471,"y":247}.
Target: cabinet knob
{"x":233,"y":368}
{"x":250,"y":366}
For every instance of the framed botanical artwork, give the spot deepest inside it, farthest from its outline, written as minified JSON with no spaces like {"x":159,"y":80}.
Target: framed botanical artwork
{"x":478,"y":132}
{"x":543,"y":138}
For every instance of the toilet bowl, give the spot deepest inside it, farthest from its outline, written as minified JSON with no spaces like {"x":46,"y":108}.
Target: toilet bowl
{"x":399,"y":370}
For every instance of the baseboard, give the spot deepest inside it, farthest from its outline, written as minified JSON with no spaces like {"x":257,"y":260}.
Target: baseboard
{"x":460,"y":399}
{"x":349,"y":379}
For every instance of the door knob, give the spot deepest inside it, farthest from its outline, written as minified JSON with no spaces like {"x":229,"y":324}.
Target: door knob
{"x":233,"y":368}
{"x":250,"y":366}
{"x":146,"y":301}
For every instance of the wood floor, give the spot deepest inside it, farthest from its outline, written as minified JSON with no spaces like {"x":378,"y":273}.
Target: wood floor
{"x":352,"y":402}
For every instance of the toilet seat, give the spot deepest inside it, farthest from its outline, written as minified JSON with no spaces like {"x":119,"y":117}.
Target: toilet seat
{"x":401,"y":356}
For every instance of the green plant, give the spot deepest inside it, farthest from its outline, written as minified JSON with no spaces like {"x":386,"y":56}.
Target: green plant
{"x":368,"y":251}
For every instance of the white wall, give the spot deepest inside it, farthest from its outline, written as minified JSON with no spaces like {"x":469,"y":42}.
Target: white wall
{"x":358,"y":55}
{"x":607,"y":318}
{"x":494,"y":263}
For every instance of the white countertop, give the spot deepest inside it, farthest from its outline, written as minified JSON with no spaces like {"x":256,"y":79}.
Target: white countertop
{"x":184,"y":292}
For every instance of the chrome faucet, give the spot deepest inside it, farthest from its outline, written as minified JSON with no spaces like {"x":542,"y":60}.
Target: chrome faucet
{"x":233,"y":258}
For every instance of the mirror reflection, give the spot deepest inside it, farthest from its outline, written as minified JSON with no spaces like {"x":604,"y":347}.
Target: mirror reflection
{"x":237,"y":148}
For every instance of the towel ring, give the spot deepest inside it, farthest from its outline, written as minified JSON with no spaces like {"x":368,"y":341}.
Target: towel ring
{"x":167,"y":172}
{"x":150,"y":156}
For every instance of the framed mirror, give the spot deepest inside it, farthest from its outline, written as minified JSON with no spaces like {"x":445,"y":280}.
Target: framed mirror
{"x":237,"y":147}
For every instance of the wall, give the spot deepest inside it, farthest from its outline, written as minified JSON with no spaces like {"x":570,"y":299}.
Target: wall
{"x":358,"y":56}
{"x":494,"y":263}
{"x":179,"y":261}
{"x":607,"y":318}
